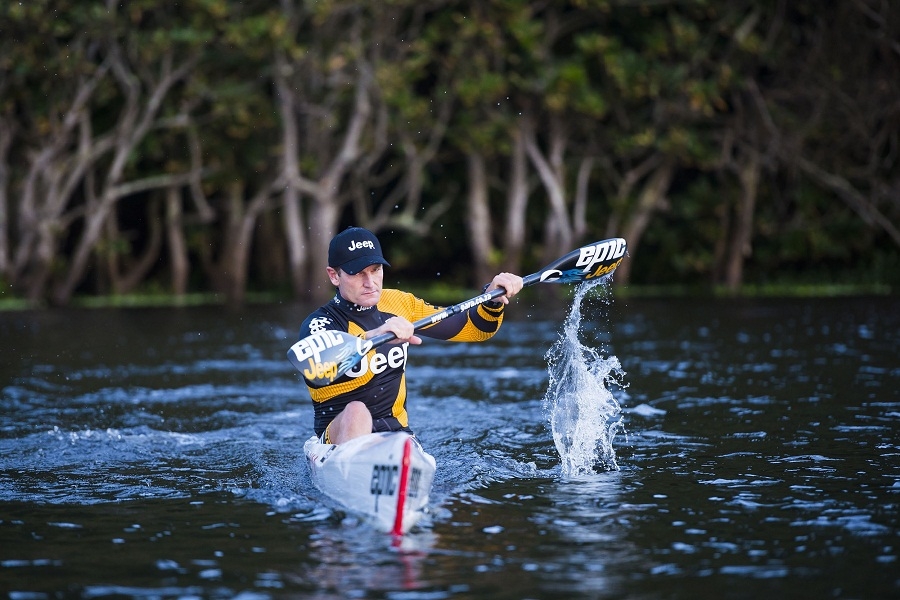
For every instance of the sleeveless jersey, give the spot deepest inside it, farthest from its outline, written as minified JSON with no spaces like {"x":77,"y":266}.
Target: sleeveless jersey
{"x":379,"y":380}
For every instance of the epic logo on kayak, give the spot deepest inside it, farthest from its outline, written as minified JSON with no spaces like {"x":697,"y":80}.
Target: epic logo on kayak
{"x":415,"y":477}
{"x":394,"y":358}
{"x":384,"y":480}
{"x":598,"y":253}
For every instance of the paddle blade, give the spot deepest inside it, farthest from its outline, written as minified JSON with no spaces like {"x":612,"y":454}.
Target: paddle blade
{"x":589,"y":262}
{"x":323,"y":357}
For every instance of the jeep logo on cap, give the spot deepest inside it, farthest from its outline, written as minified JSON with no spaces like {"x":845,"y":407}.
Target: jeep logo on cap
{"x":357,"y":245}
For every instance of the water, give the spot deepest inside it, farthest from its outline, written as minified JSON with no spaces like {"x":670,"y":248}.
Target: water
{"x":156,"y":453}
{"x":582,"y":410}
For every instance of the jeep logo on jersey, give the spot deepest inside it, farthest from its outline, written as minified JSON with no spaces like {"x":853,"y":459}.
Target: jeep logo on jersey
{"x":357,"y":245}
{"x":394,"y":358}
{"x":604,"y":251}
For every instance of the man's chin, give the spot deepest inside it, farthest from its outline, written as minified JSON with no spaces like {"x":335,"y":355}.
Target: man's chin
{"x":369,"y":300}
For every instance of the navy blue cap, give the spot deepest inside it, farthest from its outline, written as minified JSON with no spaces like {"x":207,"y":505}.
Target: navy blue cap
{"x":354,"y":249}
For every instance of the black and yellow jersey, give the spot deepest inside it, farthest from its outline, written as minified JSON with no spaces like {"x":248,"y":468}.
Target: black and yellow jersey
{"x":379,"y":380}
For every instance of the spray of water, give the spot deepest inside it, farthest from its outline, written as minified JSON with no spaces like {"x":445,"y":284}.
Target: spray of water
{"x":583,"y":414}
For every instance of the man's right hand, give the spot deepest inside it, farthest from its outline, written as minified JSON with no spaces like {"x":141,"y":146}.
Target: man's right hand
{"x":400,"y":327}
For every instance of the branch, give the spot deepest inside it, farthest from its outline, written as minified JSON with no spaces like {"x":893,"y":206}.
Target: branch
{"x":853,"y":197}
{"x":148,"y":183}
{"x":548,"y":175}
{"x":350,"y":148}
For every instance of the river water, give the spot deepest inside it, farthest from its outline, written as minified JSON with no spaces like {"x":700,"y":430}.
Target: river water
{"x":740,"y":448}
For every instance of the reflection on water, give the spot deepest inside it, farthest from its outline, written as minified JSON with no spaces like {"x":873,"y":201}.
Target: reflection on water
{"x":158,"y":453}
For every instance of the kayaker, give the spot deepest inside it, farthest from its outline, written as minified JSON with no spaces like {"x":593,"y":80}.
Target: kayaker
{"x":372,"y":396}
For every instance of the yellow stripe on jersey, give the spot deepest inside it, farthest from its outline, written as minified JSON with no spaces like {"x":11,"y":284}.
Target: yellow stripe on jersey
{"x":399,"y":408}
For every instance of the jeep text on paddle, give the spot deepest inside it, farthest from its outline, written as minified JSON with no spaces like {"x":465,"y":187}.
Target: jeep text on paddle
{"x":322,"y":370}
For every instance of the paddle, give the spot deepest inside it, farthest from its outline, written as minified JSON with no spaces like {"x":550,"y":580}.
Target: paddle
{"x":323,"y":357}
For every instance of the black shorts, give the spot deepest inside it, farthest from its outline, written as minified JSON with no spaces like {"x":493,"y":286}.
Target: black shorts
{"x":388,"y":424}
{"x":378,"y":426}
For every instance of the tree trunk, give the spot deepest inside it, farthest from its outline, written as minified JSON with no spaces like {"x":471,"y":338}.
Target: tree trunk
{"x":237,"y":242}
{"x":40,"y":261}
{"x":478,"y":220}
{"x":297,"y":243}
{"x":268,"y":262}
{"x":107,"y":256}
{"x":323,"y":221}
{"x":579,"y":212}
{"x":516,"y":205}
{"x":740,"y":247}
{"x":138,"y":269}
{"x":295,"y":235}
{"x":720,"y":249}
{"x":651,"y":199}
{"x":178,"y":256}
{"x":558,"y":230}
{"x":7,"y":131}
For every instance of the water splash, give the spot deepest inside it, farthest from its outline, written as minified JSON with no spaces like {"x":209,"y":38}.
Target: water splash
{"x":582,"y":411}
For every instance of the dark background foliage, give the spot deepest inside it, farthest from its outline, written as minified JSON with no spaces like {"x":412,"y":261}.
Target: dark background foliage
{"x":216,"y":146}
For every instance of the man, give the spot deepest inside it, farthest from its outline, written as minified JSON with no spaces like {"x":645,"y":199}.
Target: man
{"x":372,"y":396}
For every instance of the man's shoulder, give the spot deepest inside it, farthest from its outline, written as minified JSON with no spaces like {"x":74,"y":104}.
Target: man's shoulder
{"x":392,"y":298}
{"x":391,"y":294}
{"x":405,"y":304}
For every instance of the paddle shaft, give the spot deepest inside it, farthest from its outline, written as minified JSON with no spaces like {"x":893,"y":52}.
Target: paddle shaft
{"x":437,"y":317}
{"x":327,"y":355}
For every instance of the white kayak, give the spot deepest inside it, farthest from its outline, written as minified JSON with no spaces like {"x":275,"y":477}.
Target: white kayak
{"x":385,"y":477}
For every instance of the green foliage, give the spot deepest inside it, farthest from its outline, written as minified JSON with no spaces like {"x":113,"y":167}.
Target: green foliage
{"x":693,"y":83}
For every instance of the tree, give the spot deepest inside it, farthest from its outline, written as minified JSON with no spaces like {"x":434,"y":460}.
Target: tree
{"x":84,"y":127}
{"x":186,"y":140}
{"x":833,"y":114}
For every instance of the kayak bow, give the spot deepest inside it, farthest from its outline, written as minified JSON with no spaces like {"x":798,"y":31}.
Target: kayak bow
{"x":384,"y":477}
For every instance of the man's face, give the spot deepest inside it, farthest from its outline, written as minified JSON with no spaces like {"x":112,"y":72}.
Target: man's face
{"x":363,"y":289}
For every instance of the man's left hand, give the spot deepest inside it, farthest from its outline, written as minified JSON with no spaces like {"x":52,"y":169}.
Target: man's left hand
{"x":508,"y":281}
